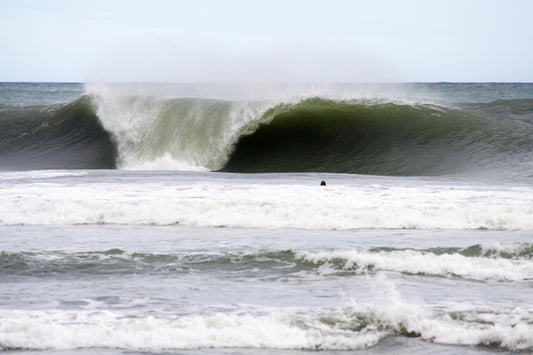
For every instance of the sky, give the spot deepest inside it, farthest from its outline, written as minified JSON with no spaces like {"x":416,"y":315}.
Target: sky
{"x":266,"y":41}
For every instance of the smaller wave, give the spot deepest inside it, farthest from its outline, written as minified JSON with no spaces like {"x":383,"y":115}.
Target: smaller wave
{"x":347,"y":328}
{"x":481,"y":263}
{"x":487,"y":264}
{"x":117,"y":261}
{"x":496,"y":250}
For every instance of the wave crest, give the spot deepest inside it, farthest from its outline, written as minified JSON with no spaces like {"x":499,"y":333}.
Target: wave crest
{"x":344,"y":328}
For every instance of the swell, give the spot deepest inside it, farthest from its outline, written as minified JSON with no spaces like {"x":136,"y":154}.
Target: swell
{"x":61,"y":136}
{"x":498,"y":262}
{"x":320,"y":135}
{"x":521,"y":109}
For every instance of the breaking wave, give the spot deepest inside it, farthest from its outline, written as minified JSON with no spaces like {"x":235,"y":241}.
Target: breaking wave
{"x":292,"y":134}
{"x":344,"y":328}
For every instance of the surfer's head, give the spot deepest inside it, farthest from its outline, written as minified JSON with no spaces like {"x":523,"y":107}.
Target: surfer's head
{"x":322,"y":183}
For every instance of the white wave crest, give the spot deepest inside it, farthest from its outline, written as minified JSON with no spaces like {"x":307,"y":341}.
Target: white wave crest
{"x":168,"y":132}
{"x":417,"y":262}
{"x":72,"y":330}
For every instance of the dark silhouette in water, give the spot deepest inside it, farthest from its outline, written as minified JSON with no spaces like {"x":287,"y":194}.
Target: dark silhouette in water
{"x":322,"y":183}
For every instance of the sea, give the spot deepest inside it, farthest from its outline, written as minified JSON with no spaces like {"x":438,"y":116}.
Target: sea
{"x":155,"y":218}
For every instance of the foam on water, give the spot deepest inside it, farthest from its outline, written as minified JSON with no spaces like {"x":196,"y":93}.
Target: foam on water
{"x":72,"y":330}
{"x":240,"y":201}
{"x":345,"y":328}
{"x":38,"y":174}
{"x":423,"y":263}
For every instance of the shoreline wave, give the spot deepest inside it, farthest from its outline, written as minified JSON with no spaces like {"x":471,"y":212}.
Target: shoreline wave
{"x":345,"y":328}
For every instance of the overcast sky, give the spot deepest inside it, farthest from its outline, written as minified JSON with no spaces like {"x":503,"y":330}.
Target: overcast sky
{"x":266,"y":41}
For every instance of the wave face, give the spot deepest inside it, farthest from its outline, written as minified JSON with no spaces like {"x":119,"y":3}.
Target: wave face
{"x":58,"y":136}
{"x":312,"y":130}
{"x":382,"y":139}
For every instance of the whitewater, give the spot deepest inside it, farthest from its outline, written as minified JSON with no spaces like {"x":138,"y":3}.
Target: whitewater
{"x":189,"y":218}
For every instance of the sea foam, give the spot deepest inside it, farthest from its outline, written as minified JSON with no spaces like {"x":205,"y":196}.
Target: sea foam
{"x":423,"y":263}
{"x":212,"y":200}
{"x":346,"y":328}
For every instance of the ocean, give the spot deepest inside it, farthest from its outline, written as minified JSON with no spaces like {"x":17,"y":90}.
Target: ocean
{"x":150,"y":218}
